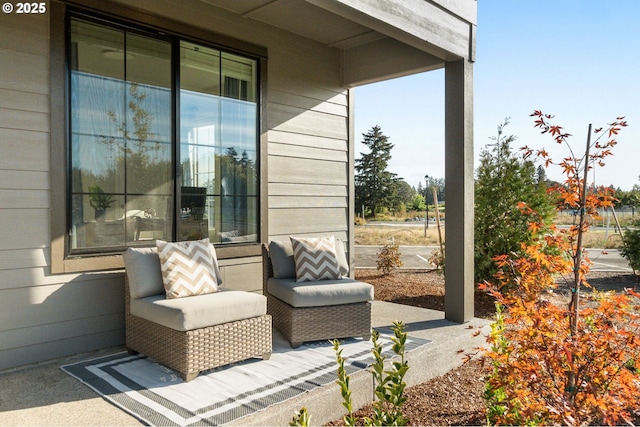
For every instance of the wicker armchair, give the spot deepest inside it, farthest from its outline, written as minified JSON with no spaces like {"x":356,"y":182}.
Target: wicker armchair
{"x":190,"y":352}
{"x":195,"y":333}
{"x":302,"y":324}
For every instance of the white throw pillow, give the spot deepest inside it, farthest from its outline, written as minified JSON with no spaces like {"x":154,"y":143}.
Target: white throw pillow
{"x":188,"y":268}
{"x":315,"y":258}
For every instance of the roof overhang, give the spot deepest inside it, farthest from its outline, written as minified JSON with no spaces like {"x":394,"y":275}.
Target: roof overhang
{"x":379,"y":39}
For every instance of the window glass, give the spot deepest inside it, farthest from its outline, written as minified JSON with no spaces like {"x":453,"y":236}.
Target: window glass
{"x":122,"y":143}
{"x":218,"y":153}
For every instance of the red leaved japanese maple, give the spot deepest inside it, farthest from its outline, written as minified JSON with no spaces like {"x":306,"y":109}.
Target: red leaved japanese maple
{"x":574,"y":364}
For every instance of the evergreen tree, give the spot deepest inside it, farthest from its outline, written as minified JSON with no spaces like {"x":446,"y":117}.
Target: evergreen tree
{"x":438,"y":184}
{"x":405,"y":192}
{"x":418,"y":203}
{"x":375,"y":186}
{"x":541,"y":175}
{"x":503,"y":180}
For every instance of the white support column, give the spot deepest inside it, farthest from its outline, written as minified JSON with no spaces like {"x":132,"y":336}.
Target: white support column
{"x":459,"y":173}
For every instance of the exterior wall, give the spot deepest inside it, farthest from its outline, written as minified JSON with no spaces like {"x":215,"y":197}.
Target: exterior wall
{"x":308,"y":158}
{"x":45,"y":315}
{"x":41,"y":315}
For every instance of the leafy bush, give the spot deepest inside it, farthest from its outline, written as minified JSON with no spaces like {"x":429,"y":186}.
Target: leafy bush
{"x":631,"y":248}
{"x":437,"y":259}
{"x":388,"y":258}
{"x":358,"y":220}
{"x":389,"y":389}
{"x":553,"y":364}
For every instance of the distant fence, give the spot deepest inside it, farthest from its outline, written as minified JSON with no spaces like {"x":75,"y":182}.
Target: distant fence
{"x":626,"y":216}
{"x":625,"y":211}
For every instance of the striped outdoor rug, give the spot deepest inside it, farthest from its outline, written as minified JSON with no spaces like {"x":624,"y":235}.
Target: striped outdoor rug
{"x":157,"y":395}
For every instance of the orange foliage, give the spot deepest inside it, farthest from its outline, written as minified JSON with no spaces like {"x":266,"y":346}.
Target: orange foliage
{"x":574,"y":364}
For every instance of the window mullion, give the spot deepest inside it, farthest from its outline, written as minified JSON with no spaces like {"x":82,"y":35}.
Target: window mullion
{"x":175,"y":107}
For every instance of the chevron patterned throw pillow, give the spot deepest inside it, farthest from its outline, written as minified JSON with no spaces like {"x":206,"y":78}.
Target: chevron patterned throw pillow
{"x":315,"y":258}
{"x":187,"y":268}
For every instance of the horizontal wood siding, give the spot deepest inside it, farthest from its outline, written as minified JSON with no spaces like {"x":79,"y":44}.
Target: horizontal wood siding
{"x":308,"y":152}
{"x":42,"y":316}
{"x":45,"y":315}
{"x":242,"y":274}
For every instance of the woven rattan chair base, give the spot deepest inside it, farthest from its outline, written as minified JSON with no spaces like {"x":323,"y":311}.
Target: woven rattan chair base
{"x":190,"y":352}
{"x":302,"y":324}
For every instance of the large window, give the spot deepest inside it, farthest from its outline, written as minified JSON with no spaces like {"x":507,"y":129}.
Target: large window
{"x":163,"y":140}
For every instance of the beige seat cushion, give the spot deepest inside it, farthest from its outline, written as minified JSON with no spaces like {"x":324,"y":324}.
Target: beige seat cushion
{"x":321,"y":292}
{"x":188,"y":313}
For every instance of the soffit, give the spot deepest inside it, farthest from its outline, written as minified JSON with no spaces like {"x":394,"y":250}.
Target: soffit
{"x":414,"y":35}
{"x":304,"y":19}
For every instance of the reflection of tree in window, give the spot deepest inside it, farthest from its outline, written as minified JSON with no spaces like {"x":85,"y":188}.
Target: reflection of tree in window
{"x":122,"y":136}
{"x":236,"y":172}
{"x":140,"y":156}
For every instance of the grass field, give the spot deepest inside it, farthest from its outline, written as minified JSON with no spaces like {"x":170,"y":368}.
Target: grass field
{"x":405,"y":236}
{"x":415,"y":236}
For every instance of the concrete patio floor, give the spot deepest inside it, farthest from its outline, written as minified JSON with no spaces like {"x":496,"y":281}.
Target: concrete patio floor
{"x":43,"y":395}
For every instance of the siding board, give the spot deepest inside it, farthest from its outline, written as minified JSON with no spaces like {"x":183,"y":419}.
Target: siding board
{"x":24,"y":72}
{"x":23,"y":258}
{"x":286,"y":150}
{"x":316,"y":67}
{"x":307,"y":140}
{"x":308,"y":220}
{"x":279,"y":202}
{"x":306,"y":171}
{"x":38,"y":276}
{"x":16,"y":119}
{"x":314,"y":104}
{"x":40,"y":334}
{"x":29,"y":150}
{"x":58,"y":348}
{"x":243,"y":275}
{"x":300,"y":86}
{"x":24,"y":101}
{"x":25,"y":33}
{"x":23,"y":180}
{"x":24,"y":228}
{"x":298,"y":190}
{"x":298,"y":120}
{"x":337,"y":233}
{"x":24,"y":199}
{"x":42,"y":305}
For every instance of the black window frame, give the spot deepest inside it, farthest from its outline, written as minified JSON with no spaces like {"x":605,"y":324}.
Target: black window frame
{"x":62,"y":257}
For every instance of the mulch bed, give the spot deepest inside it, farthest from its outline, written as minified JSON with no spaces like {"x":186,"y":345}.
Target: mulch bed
{"x":456,"y":397}
{"x":419,"y":288}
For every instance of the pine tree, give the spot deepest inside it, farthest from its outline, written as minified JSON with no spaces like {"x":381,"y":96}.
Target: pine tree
{"x":376,"y":188}
{"x":503,"y":180}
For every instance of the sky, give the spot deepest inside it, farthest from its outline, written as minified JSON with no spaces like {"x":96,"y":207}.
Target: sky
{"x":578,"y":60}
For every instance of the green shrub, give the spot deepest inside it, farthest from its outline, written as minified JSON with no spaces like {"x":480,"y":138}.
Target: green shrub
{"x":631,"y":247}
{"x":389,"y":389}
{"x":301,"y":418}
